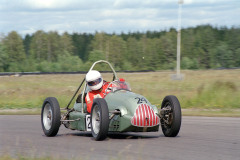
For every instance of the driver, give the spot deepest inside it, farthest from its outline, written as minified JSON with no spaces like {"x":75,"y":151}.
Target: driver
{"x":98,"y":88}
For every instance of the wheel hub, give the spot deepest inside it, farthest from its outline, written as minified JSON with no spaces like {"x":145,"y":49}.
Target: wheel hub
{"x":166,"y":116}
{"x":96,"y":120}
{"x":47,"y":116}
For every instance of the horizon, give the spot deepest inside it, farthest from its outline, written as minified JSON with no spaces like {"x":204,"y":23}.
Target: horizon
{"x":113,"y":33}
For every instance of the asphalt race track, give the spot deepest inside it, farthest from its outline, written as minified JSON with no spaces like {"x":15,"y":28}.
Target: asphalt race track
{"x":200,"y":138}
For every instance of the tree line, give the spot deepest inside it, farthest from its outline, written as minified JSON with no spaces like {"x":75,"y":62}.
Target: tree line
{"x":202,"y":47}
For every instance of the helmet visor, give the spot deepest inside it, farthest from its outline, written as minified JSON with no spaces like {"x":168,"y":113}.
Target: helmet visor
{"x":95,"y":82}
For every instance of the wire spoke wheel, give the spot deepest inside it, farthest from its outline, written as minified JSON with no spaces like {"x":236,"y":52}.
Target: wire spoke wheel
{"x":171,"y":118}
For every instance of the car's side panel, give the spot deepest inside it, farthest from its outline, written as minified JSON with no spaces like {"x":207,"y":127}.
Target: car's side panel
{"x":78,"y":107}
{"x":120,"y":123}
{"x":80,"y":123}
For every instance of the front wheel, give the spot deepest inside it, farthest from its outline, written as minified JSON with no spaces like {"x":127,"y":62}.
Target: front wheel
{"x":50,"y":116}
{"x":99,"y":119}
{"x":171,"y":116}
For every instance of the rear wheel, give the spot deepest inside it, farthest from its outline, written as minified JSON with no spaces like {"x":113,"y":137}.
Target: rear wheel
{"x":99,"y":119}
{"x":50,"y":116}
{"x":171,"y":116}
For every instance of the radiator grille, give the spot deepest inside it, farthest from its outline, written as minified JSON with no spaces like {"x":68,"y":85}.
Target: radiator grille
{"x":145,"y":117}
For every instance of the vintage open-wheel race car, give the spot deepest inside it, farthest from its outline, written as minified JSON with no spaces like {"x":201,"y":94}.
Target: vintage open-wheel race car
{"x":120,"y":110}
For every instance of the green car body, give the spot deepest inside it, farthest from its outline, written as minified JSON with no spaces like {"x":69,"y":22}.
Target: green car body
{"x":122,"y":100}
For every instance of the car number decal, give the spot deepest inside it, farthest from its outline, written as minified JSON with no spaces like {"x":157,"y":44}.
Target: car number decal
{"x":141,"y":100}
{"x":88,"y":122}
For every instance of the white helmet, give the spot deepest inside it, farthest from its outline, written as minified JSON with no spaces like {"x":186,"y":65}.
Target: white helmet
{"x":94,"y":80}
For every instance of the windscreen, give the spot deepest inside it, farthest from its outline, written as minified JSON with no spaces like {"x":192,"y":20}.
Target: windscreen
{"x":120,"y":85}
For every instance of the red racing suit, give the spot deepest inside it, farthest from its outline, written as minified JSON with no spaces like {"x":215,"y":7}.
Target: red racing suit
{"x":101,"y":93}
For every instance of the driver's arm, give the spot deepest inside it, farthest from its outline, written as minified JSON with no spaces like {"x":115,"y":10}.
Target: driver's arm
{"x":89,"y":101}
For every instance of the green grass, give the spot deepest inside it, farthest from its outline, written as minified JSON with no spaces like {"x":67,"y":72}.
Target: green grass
{"x":215,"y":90}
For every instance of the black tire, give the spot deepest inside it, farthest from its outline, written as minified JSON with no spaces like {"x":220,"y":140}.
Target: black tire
{"x":99,"y":119}
{"x":171,"y":120}
{"x":50,"y":116}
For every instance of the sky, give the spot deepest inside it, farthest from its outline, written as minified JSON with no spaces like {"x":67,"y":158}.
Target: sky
{"x":114,"y":16}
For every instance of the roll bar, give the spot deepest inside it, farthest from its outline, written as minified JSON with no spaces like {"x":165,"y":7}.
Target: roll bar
{"x":103,"y":61}
{"x":100,"y":61}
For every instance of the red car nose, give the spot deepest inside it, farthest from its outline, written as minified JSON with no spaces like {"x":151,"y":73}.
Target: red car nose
{"x":145,"y":117}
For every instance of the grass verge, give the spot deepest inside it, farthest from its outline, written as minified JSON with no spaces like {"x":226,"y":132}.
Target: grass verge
{"x":211,"y":92}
